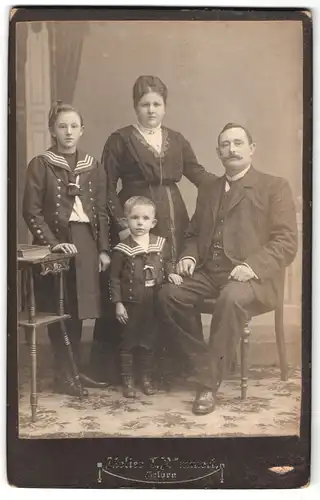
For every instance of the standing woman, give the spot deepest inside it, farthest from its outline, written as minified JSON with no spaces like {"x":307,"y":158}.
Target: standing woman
{"x":150,"y":159}
{"x":64,"y":206}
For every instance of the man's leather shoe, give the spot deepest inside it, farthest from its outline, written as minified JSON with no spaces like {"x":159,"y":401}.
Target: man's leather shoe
{"x":66,"y":387}
{"x":204,"y":403}
{"x":89,"y":382}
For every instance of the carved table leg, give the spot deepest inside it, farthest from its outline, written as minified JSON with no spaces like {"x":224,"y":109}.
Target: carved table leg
{"x":33,"y":396}
{"x":244,"y":360}
{"x":31,"y":299}
{"x":61,"y":295}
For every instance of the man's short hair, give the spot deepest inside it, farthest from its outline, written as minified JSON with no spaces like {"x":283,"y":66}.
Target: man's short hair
{"x":137,"y":200}
{"x":235,"y":125}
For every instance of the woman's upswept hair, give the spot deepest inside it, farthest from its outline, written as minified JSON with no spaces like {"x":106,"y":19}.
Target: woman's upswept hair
{"x":148,"y":83}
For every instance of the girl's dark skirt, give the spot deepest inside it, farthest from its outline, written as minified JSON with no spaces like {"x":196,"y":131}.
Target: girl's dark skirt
{"x":82,"y":287}
{"x":85,"y":287}
{"x":82,"y":294}
{"x":140,"y":330}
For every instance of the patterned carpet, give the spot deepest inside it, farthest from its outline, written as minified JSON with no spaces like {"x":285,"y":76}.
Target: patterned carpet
{"x":271,"y":408}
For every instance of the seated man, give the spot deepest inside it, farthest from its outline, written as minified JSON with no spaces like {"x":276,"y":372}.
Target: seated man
{"x":241,"y":237}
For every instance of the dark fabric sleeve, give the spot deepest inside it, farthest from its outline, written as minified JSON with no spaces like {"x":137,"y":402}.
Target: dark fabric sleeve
{"x":192,"y":170}
{"x":33,"y":202}
{"x":117,"y":261}
{"x":169,"y":266}
{"x":281,"y":248}
{"x":103,"y":235}
{"x":111,"y":160}
{"x":190,"y":246}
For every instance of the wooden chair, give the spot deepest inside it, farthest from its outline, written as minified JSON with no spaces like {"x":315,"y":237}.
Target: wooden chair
{"x":207,"y":307}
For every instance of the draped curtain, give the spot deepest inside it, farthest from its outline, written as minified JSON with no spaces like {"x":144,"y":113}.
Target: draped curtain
{"x":21,"y":140}
{"x":65,"y":42}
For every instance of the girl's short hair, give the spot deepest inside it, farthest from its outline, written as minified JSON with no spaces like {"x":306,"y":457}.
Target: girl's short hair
{"x":137,"y":200}
{"x":148,"y":83}
{"x":59,"y":107}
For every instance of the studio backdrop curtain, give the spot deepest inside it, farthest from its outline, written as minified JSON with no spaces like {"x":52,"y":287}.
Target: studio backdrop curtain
{"x":66,"y":42}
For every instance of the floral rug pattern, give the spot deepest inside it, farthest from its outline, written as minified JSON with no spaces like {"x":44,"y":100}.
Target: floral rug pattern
{"x":272,"y":407}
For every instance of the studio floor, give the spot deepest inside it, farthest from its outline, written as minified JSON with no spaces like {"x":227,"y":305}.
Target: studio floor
{"x":272,"y":408}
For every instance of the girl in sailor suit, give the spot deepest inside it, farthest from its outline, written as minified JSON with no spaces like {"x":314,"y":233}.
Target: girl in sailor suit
{"x":64,"y":207}
{"x":139,"y":266}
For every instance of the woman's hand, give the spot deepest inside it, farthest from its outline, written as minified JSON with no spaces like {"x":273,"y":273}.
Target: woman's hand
{"x":186,"y":267}
{"x":124,"y":233}
{"x":104,"y":262}
{"x":175,"y":279}
{"x":121,"y":313}
{"x":65,"y":248}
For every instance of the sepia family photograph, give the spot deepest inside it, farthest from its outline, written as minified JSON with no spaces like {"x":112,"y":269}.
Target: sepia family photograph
{"x":159,"y":169}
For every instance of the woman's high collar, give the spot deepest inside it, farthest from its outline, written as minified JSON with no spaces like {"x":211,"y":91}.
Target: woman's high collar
{"x":148,"y":131}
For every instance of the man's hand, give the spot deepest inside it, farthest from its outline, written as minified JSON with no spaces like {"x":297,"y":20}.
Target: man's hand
{"x":175,"y":279}
{"x":121,"y":313}
{"x":65,"y":248}
{"x":186,"y":267}
{"x":104,"y":261}
{"x":242,"y":273}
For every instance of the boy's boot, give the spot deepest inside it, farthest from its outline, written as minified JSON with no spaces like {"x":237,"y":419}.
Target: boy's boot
{"x":146,"y":370}
{"x":126,"y":360}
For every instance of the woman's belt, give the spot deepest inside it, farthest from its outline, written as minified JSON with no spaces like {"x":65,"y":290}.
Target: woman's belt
{"x":145,"y":184}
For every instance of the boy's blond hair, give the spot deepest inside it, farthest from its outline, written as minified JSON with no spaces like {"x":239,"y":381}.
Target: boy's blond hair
{"x":137,"y":200}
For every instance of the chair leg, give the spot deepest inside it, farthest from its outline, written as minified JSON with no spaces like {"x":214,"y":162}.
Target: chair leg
{"x":244,"y":360}
{"x":33,"y":395}
{"x":278,"y":317}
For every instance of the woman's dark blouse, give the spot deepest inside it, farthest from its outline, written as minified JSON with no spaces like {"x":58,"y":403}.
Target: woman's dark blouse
{"x":145,"y":172}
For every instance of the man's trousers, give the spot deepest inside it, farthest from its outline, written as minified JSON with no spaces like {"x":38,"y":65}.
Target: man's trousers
{"x":235,"y":304}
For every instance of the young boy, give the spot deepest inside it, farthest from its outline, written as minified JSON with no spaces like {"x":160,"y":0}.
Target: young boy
{"x":139,"y":266}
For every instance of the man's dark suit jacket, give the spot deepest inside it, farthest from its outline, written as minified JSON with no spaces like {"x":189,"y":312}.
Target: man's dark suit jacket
{"x":260,"y":229}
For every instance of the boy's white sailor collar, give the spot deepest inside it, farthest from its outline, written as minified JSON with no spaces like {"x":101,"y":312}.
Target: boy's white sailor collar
{"x":85,"y":162}
{"x":131,"y":248}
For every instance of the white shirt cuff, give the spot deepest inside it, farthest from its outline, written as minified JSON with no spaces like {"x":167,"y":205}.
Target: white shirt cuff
{"x":247,"y":265}
{"x":189,"y":257}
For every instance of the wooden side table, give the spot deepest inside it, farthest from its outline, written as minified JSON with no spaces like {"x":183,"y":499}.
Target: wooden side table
{"x":30,"y":319}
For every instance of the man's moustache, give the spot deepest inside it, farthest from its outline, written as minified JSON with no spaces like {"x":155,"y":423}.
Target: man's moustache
{"x":234,"y":157}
